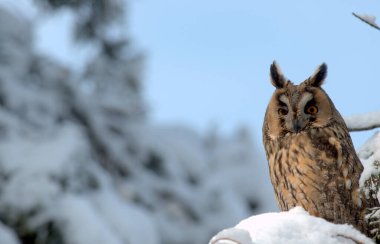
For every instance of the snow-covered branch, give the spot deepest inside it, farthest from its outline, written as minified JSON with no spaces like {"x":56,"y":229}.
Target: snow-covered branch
{"x":367,"y":121}
{"x":368,"y":19}
{"x":294,"y":226}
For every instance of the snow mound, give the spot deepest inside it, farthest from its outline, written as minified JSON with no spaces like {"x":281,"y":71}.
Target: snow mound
{"x":294,"y":226}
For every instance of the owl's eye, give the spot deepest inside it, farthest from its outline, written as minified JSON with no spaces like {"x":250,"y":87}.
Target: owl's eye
{"x":282,"y":111}
{"x":311,"y":110}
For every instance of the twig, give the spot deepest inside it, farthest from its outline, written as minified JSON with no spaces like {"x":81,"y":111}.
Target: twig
{"x":366,"y":21}
{"x":363,"y":128}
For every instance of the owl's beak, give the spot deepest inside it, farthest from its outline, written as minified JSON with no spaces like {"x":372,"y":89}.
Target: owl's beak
{"x":297,"y":126}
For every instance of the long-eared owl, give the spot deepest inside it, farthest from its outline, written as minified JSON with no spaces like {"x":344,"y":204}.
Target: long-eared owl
{"x":312,"y":161}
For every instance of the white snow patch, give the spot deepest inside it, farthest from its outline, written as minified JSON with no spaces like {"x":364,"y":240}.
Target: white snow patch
{"x":131,"y":222}
{"x":41,"y":156}
{"x":369,"y":19}
{"x":369,"y":155}
{"x":361,"y":121}
{"x":81,"y":223}
{"x":295,"y":226}
{"x":7,"y":235}
{"x":34,"y":164}
{"x":25,"y":192}
{"x":20,"y":8}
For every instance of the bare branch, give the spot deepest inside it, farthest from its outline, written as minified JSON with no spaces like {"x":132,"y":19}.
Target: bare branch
{"x":368,"y":19}
{"x":361,"y":122}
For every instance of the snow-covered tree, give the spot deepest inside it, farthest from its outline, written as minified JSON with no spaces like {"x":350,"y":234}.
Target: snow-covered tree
{"x":80,"y":162}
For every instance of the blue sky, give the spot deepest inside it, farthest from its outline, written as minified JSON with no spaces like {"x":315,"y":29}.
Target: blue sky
{"x":208,"y":61}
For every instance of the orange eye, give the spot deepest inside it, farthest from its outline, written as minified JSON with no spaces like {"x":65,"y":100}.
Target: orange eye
{"x":312,"y":110}
{"x":282,"y":111}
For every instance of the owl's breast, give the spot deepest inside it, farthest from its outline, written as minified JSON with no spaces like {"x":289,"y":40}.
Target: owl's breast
{"x":298,"y":169}
{"x":311,"y":173}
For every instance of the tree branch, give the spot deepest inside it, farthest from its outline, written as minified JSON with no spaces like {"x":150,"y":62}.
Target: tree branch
{"x":361,"y":122}
{"x":368,"y":19}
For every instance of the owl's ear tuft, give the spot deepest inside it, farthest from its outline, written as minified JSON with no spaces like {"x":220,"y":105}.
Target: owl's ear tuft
{"x":318,"y":77}
{"x":277,"y":78}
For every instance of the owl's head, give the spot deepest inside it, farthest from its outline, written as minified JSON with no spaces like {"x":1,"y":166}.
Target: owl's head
{"x":297,"y":108}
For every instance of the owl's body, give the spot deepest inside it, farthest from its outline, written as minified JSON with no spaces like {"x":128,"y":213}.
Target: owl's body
{"x":312,"y":161}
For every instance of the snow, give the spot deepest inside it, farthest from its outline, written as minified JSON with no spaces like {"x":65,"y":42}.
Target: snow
{"x":132,"y":223}
{"x":294,"y":226}
{"x":7,"y":235}
{"x":81,"y":223}
{"x":363,"y":121}
{"x":102,"y":217}
{"x":48,"y":156}
{"x":369,"y":19}
{"x":20,"y":8}
{"x":369,"y":155}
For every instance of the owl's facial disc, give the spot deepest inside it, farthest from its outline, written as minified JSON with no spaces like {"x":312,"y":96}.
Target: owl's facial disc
{"x":300,"y":111}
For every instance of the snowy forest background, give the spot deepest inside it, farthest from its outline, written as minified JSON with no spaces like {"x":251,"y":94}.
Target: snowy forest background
{"x":80,"y":162}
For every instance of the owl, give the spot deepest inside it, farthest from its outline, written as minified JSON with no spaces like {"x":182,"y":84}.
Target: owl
{"x":311,"y":157}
